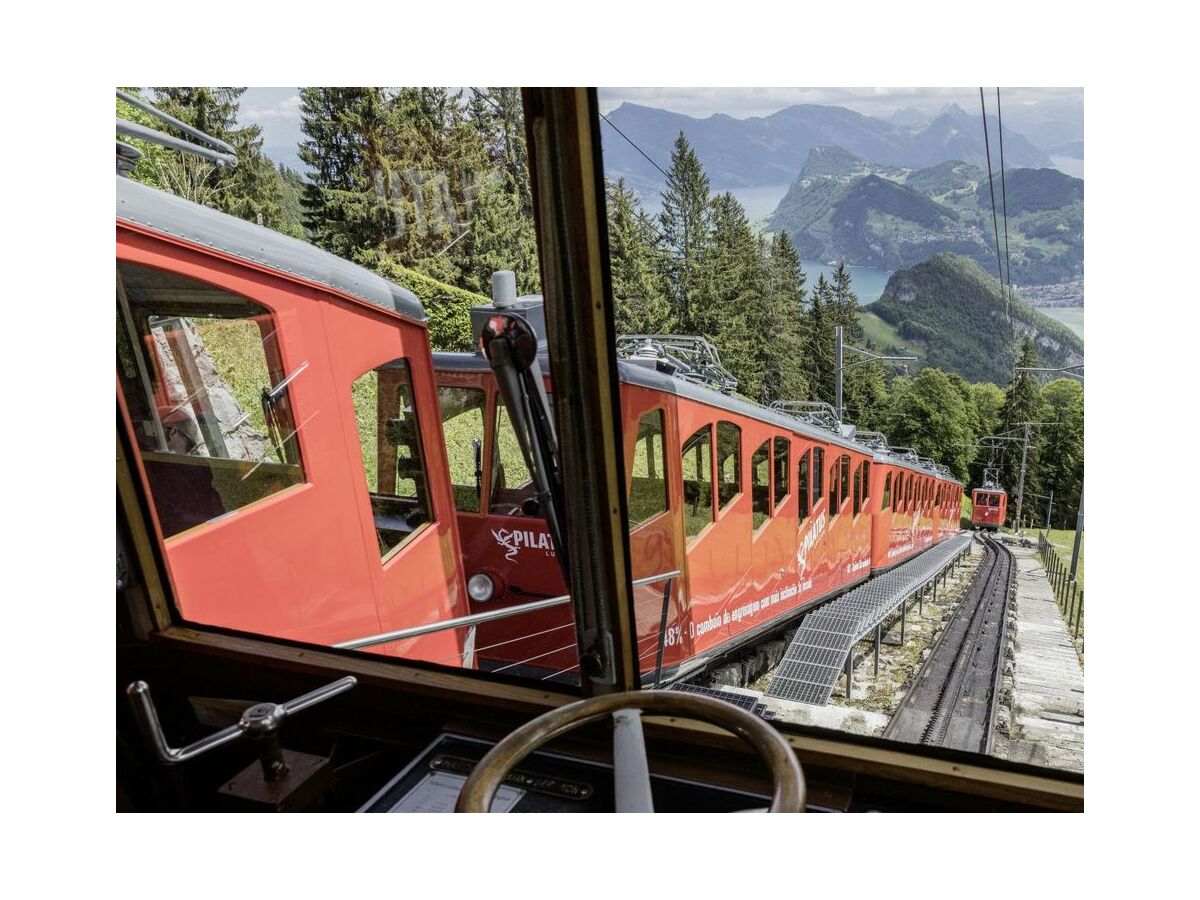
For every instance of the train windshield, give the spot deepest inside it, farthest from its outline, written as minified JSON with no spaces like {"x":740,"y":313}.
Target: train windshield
{"x":313,"y":479}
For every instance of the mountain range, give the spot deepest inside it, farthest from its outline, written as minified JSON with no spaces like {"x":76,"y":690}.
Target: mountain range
{"x":890,"y":216}
{"x":766,"y":150}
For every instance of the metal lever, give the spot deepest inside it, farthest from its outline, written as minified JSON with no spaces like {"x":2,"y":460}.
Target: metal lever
{"x":260,"y":723}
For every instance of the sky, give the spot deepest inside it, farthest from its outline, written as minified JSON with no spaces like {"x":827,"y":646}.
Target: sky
{"x":1045,"y":115}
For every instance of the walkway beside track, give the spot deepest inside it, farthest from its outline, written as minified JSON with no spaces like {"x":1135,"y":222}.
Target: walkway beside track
{"x":822,"y":644}
{"x":1043,"y":680}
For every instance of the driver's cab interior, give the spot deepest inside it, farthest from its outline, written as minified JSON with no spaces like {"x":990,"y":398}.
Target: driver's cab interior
{"x":210,"y":718}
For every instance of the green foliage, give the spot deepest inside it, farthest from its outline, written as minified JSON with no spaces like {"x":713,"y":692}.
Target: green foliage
{"x":933,"y":413}
{"x":1062,"y":448}
{"x":686,"y":222}
{"x":448,"y":307}
{"x":426,"y":184}
{"x":252,"y":190}
{"x":641,"y":304}
{"x":958,"y":314}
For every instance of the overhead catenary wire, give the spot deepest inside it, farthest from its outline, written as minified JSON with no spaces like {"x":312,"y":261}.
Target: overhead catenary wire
{"x":634,"y":146}
{"x":987,"y":148}
{"x":1003,"y":195}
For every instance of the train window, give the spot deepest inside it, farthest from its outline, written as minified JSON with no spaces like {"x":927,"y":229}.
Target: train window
{"x":858,"y":492}
{"x":908,"y":492}
{"x":887,"y":491}
{"x":802,"y":484}
{"x":462,"y":425}
{"x":833,"y":489}
{"x":203,"y":380}
{"x":390,"y":438}
{"x":697,"y":482}
{"x":513,"y":489}
{"x":845,"y":479}
{"x":781,"y":448}
{"x":760,"y":484}
{"x":866,"y":481}
{"x":818,"y":474}
{"x":648,"y":474}
{"x":729,"y":462}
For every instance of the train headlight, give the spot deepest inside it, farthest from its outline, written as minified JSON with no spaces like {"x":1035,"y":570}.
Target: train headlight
{"x":480,"y":587}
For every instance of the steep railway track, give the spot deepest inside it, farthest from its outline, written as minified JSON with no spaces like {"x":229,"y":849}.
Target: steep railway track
{"x":952,"y":703}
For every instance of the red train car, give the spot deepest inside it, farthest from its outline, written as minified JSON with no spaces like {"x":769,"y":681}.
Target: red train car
{"x":911,"y":501}
{"x":989,"y":506}
{"x":283,"y":407}
{"x":762,"y":511}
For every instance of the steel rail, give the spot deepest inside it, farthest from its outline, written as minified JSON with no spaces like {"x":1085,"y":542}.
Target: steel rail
{"x":403,"y":634}
{"x":931,"y":711}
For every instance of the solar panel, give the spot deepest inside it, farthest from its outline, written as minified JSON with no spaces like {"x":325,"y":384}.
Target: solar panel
{"x":818,"y":652}
{"x":748,"y":702}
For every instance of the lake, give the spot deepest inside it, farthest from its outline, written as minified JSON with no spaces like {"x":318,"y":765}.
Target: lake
{"x":865,"y":281}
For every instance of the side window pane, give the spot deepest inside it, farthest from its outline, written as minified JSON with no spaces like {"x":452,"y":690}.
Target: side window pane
{"x":802,"y":484}
{"x":203,"y":379}
{"x":648,"y":484}
{"x":845,"y":479}
{"x":391,"y":451}
{"x":887,"y":491}
{"x":462,"y":425}
{"x":760,"y":484}
{"x":833,"y":489}
{"x":818,"y":474}
{"x":729,"y":461}
{"x":781,"y":469}
{"x":857,"y":489}
{"x":866,"y":481}
{"x":513,"y":491}
{"x":697,"y":482}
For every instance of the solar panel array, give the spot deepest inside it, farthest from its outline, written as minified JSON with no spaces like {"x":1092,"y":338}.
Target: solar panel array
{"x":818,"y":652}
{"x":748,"y":702}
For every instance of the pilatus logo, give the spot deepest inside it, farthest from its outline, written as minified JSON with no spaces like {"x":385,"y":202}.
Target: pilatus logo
{"x":810,"y":539}
{"x":515,"y":540}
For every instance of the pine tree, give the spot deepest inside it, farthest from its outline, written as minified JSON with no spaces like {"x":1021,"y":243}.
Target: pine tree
{"x":819,"y":351}
{"x":345,"y":204}
{"x":639,"y":287}
{"x":686,"y":228}
{"x":785,"y":342}
{"x":728,"y":307}
{"x":252,"y":190}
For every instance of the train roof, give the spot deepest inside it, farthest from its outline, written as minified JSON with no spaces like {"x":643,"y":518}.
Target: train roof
{"x":166,"y":213}
{"x":632,"y":373}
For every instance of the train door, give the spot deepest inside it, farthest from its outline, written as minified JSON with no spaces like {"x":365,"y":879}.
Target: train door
{"x":508,"y":557}
{"x":656,"y":540}
{"x":243,"y":426}
{"x":773,"y":517}
{"x":860,"y":525}
{"x":717,"y":522}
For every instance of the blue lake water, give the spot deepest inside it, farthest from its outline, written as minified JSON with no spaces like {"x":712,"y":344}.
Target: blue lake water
{"x":867,"y":282}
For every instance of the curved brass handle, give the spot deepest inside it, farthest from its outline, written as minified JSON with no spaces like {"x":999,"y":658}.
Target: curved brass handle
{"x":489,"y":774}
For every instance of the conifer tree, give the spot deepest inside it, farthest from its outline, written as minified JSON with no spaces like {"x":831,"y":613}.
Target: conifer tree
{"x":640,"y":298}
{"x":345,"y":208}
{"x":728,"y":308}
{"x":686,"y":227}
{"x":785,"y":341}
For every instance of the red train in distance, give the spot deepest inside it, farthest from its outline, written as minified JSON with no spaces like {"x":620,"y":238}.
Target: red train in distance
{"x":764,"y":512}
{"x":989,"y":506}
{"x":285,"y":411}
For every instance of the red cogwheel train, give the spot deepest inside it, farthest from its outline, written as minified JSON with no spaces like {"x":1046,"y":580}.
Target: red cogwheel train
{"x":317,"y":474}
